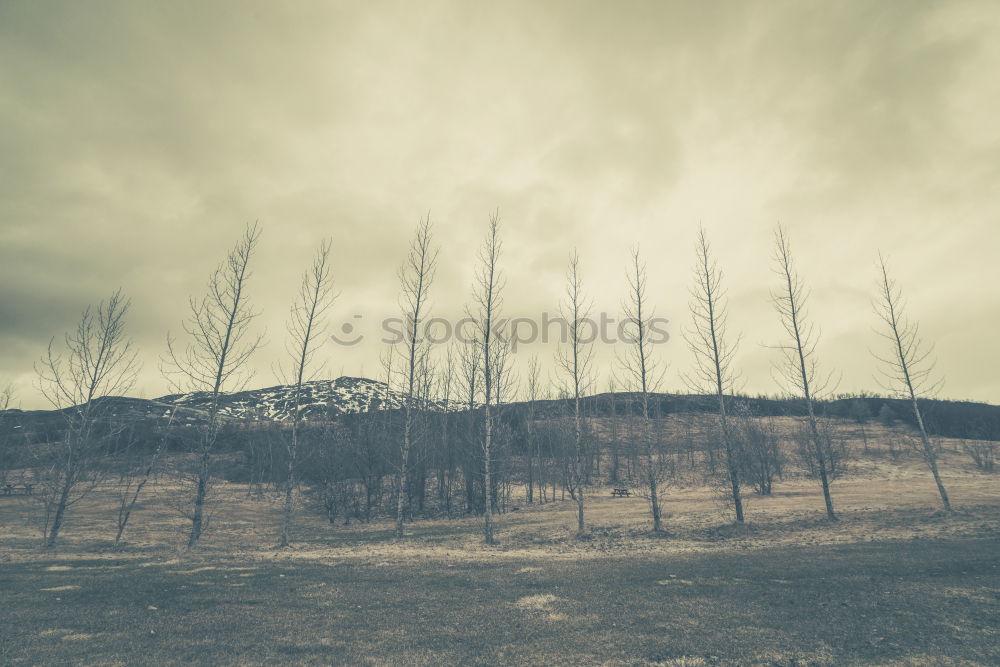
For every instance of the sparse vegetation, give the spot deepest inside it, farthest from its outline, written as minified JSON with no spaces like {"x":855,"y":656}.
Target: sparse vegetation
{"x":892,"y":582}
{"x":983,"y":454}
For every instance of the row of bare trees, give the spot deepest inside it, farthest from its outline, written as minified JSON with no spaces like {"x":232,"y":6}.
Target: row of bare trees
{"x":455,"y":424}
{"x":714,"y":373}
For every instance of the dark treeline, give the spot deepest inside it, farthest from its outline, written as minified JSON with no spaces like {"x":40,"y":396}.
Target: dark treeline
{"x":951,"y":419}
{"x":347,"y":465}
{"x":945,"y":418}
{"x":948,"y":419}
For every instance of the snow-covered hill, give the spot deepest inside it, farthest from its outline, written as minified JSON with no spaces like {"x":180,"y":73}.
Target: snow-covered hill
{"x":320,"y":400}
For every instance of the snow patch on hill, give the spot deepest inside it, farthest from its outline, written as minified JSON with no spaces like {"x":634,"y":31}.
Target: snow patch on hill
{"x":320,"y":400}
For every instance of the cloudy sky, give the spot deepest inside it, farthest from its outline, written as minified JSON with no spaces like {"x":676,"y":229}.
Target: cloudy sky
{"x":138,"y":138}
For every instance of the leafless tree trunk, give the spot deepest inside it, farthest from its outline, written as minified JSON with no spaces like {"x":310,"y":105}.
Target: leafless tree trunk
{"x":643,"y":373}
{"x":909,"y":369}
{"x":488,"y":299}
{"x":713,"y":351}
{"x":469,"y":365}
{"x":97,"y":361}
{"x":134,"y":481}
{"x":417,"y":483}
{"x":614,"y":434}
{"x":216,"y":355}
{"x":504,"y":387}
{"x":306,"y":328}
{"x":574,"y":359}
{"x":798,"y":367}
{"x":415,"y":278}
{"x":131,"y":486}
{"x":446,"y":459}
{"x":532,"y":446}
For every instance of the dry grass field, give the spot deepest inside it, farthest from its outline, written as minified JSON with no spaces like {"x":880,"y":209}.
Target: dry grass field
{"x":895,"y":582}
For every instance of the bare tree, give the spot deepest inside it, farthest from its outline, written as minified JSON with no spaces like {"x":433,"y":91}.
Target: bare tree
{"x":760,"y":447}
{"x":708,"y":338}
{"x":415,"y":278}
{"x":488,"y":299}
{"x":137,"y":473}
{"x":798,"y":369}
{"x":643,"y":372}
{"x":532,"y":443}
{"x":982,"y":453}
{"x":471,"y":384}
{"x":216,"y":355}
{"x":7,"y":396}
{"x":861,"y":414}
{"x":134,"y":478}
{"x":909,"y":368}
{"x":504,"y":389}
{"x":306,"y":328}
{"x":97,"y":360}
{"x":423,"y":430}
{"x":574,"y":357}
{"x":445,"y":454}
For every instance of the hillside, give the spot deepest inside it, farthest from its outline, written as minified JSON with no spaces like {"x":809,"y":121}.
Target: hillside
{"x":321,"y":400}
{"x":325,"y":400}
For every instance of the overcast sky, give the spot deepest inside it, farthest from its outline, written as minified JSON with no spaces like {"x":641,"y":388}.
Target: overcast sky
{"x":138,"y":138}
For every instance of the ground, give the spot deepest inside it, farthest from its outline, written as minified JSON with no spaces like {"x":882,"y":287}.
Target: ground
{"x":895,"y":582}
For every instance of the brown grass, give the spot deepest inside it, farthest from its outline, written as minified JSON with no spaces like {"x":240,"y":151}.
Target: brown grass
{"x":896,"y":581}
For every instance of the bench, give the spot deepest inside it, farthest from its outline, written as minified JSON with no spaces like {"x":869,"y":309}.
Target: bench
{"x":620,"y":493}
{"x":26,"y":489}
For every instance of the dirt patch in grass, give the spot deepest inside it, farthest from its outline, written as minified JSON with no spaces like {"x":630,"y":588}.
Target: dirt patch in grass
{"x":543,"y":602}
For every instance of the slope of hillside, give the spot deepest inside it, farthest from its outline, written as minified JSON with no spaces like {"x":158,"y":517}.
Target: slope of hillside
{"x":320,"y":400}
{"x":328,"y":399}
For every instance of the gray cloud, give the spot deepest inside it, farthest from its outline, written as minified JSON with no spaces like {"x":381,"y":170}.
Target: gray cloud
{"x":138,"y":138}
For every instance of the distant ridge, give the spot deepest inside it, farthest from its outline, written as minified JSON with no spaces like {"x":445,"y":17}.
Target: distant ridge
{"x":324,"y":400}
